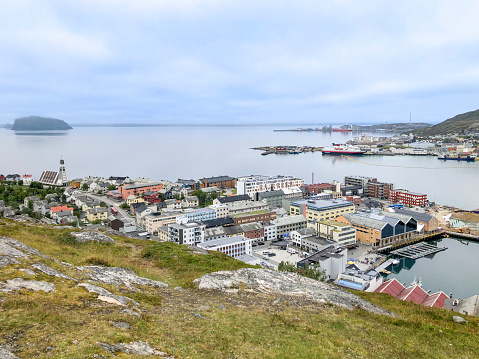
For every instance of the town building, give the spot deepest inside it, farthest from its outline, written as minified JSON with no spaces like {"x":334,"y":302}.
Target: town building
{"x":153,"y":221}
{"x":285,"y":225}
{"x":378,"y":228}
{"x":406,"y":197}
{"x":51,"y":178}
{"x":151,"y":197}
{"x":200,"y":214}
{"x":354,"y":278}
{"x":321,"y":209}
{"x":341,"y":233}
{"x":247,"y":207}
{"x":319,"y":187}
{"x":361,"y":181}
{"x":250,"y":217}
{"x":190,"y":202}
{"x":184,"y":232}
{"x":222,"y":210}
{"x":331,"y":259}
{"x":95,"y":214}
{"x":232,"y":246}
{"x":298,"y":237}
{"x":425,"y":222}
{"x":251,"y":185}
{"x":27,"y":180}
{"x":136,"y":189}
{"x":274,"y":199}
{"x":379,"y":189}
{"x":220,"y":182}
{"x":227,"y":200}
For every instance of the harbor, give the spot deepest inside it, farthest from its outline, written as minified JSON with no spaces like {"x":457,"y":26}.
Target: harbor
{"x":417,"y":251}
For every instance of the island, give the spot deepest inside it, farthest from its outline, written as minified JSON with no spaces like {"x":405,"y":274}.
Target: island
{"x":36,"y":123}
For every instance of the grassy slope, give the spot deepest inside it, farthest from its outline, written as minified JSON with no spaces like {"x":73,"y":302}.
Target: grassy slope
{"x":71,"y":320}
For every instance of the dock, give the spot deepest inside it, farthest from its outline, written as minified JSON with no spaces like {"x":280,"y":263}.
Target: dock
{"x":418,"y":250}
{"x":384,"y":265}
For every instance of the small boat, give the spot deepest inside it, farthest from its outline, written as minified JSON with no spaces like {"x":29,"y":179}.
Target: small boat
{"x":417,"y":282}
{"x":396,"y":261}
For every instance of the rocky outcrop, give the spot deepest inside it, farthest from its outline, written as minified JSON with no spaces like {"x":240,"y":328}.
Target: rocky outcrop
{"x":14,"y":248}
{"x":7,"y":260}
{"x":136,"y":348}
{"x":12,"y":285}
{"x":285,"y":283}
{"x":107,"y":296}
{"x":88,"y":236}
{"x":50,"y":271}
{"x":118,"y":276}
{"x":6,"y":354}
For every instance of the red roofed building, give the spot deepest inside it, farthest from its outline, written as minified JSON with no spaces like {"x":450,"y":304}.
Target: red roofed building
{"x":57,"y":209}
{"x":391,"y":287}
{"x":435,"y":300}
{"x":413,"y":294}
{"x":319,"y":187}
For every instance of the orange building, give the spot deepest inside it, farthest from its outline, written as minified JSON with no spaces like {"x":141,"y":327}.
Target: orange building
{"x":136,"y":189}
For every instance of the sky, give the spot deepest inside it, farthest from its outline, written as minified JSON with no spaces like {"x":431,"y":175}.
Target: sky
{"x":238,"y":62}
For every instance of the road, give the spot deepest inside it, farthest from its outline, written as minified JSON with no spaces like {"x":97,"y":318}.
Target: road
{"x":121,"y":212}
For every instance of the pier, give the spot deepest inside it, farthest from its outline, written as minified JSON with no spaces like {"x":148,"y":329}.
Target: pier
{"x":469,"y":237}
{"x":419,"y":250}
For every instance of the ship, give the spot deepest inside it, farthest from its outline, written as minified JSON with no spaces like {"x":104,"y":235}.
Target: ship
{"x":340,"y":149}
{"x":342,"y":130}
{"x":458,"y":158}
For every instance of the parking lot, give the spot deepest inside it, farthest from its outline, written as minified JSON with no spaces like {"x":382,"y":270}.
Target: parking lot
{"x":279,"y":255}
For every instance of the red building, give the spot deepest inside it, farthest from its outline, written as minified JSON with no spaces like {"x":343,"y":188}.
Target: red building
{"x":319,"y":187}
{"x":2,"y":177}
{"x":409,"y":198}
{"x":151,"y":197}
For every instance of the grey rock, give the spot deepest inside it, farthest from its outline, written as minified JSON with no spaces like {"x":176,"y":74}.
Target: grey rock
{"x":5,"y":353}
{"x":129,"y":311}
{"x":204,"y":307}
{"x":103,"y":292}
{"x":7,"y":260}
{"x":118,"y":276}
{"x":121,"y":325}
{"x":18,"y":283}
{"x":50,"y":271}
{"x":221,"y":306}
{"x":197,"y":315}
{"x":14,"y":248}
{"x":136,"y":348}
{"x":277,"y":301}
{"x":285,"y":283}
{"x":458,"y":319}
{"x":178,"y":288}
{"x":88,"y":236}
{"x":27,"y":271}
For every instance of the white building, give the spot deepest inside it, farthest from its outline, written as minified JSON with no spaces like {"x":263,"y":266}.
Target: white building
{"x":221,"y":210}
{"x":184,"y":232}
{"x":27,"y":179}
{"x":233,"y":246}
{"x":251,"y":185}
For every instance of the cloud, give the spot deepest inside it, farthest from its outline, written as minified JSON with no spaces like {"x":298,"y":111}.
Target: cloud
{"x":200,"y":60}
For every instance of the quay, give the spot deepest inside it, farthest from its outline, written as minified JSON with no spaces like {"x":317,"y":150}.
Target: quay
{"x":462,"y":236}
{"x":416,"y":251}
{"x":406,"y":242}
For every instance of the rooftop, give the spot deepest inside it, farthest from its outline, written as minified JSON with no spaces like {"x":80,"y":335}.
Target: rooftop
{"x":223,"y":242}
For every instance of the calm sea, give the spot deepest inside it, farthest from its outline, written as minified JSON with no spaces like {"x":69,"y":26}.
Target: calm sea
{"x":173,"y":152}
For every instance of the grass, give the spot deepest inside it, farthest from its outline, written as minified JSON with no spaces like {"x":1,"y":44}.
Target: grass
{"x":70,"y":322}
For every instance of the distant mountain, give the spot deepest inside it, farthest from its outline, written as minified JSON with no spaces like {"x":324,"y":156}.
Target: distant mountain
{"x":36,"y":123}
{"x":463,"y":123}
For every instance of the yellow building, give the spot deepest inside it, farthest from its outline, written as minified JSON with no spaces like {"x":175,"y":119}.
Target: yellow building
{"x":95,"y":214}
{"x":134,"y":199}
{"x":321,"y":209}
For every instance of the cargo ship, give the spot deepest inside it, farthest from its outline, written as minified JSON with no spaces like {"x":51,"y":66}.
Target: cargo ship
{"x":457,"y":158}
{"x":340,"y":149}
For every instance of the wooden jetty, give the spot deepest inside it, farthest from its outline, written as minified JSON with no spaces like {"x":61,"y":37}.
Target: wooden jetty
{"x":418,"y":250}
{"x":470,"y":237}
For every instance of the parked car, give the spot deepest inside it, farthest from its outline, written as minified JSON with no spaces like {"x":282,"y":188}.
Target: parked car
{"x":261,"y":243}
{"x":271,"y":254}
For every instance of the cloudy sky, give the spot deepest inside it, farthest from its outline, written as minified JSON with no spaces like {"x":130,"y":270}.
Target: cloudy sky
{"x":211,"y":61}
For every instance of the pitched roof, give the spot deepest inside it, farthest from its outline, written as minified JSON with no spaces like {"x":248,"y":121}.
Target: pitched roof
{"x":422,"y":217}
{"x":435,"y":300}
{"x":413,"y":294}
{"x":392,"y":287}
{"x":61,"y":208}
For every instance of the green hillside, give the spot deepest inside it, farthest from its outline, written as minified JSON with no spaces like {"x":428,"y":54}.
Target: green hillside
{"x":188,"y":322}
{"x":465,"y":122}
{"x":36,"y":123}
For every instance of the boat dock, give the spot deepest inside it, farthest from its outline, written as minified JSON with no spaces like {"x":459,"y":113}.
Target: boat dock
{"x":384,"y":265}
{"x":418,"y":250}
